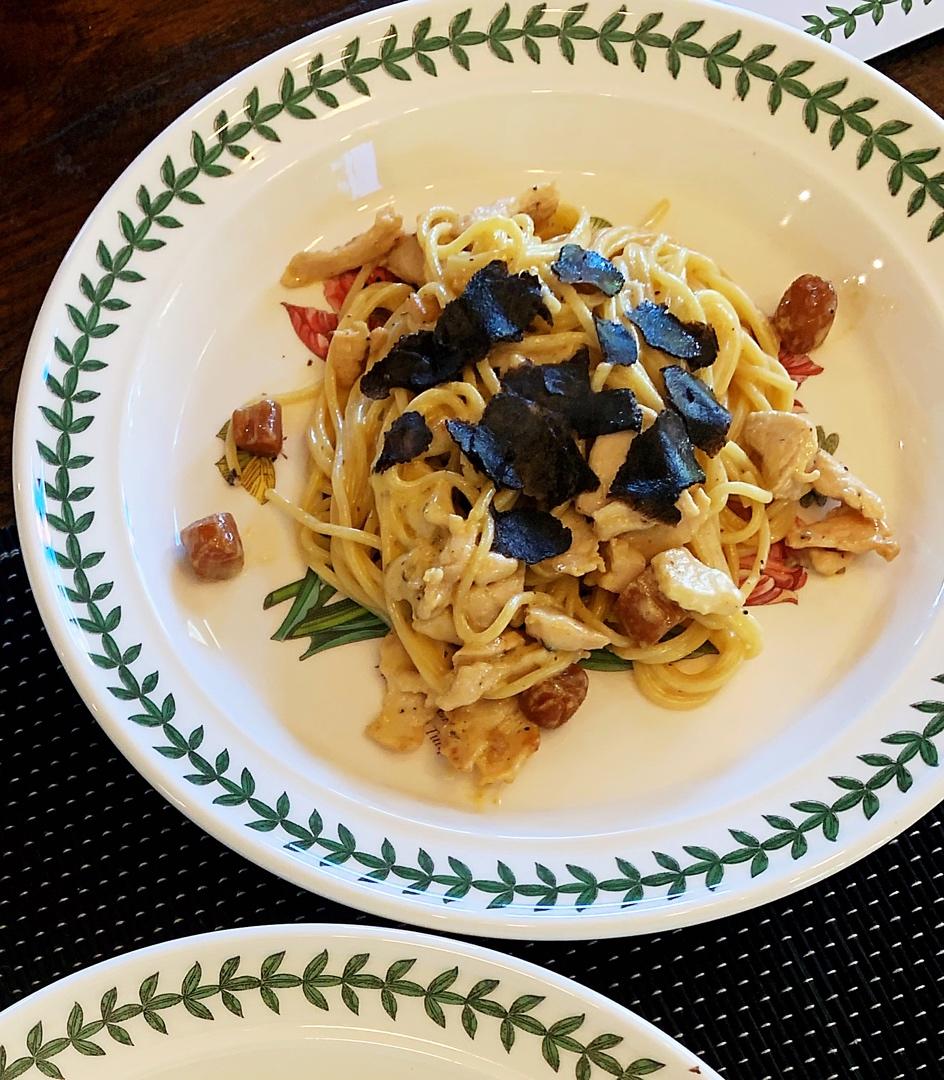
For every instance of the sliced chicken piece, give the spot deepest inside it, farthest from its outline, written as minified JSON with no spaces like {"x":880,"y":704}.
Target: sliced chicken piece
{"x":440,"y":579}
{"x":606,"y":456}
{"x":494,"y":567}
{"x":491,"y":739}
{"x":624,"y":563}
{"x":368,"y":247}
{"x":645,"y":612}
{"x":470,"y":683}
{"x":828,"y":563}
{"x":479,"y":668}
{"x":836,"y":482}
{"x":494,"y":649}
{"x":693,"y":505}
{"x":583,"y":555}
{"x":485,"y":601}
{"x":560,"y":632}
{"x":784,"y":447}
{"x":406,"y":260}
{"x":617,"y":518}
{"x":539,"y":203}
{"x":694,"y":585}
{"x":405,"y":712}
{"x":612,"y":517}
{"x":500,"y":208}
{"x":426,"y":575}
{"x":440,"y":627}
{"x":843,"y":529}
{"x":347,"y":354}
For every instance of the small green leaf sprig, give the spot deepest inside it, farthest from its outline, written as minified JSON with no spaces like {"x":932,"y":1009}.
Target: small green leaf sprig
{"x":847,"y":19}
{"x":83,"y":1035}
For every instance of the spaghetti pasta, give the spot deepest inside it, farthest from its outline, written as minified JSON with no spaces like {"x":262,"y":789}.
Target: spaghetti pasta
{"x":415,"y":543}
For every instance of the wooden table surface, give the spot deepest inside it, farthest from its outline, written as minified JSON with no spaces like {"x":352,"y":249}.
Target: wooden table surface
{"x":87,"y":85}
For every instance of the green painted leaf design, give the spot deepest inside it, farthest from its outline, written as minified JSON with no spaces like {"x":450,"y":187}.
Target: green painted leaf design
{"x":256,"y":472}
{"x":847,"y":20}
{"x":326,"y":625}
{"x":233,"y":988}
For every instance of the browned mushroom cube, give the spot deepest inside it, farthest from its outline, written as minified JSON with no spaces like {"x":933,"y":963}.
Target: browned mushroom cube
{"x":258,"y":428}
{"x":645,"y":612}
{"x":551,"y":703}
{"x":805,"y":313}
{"x":213,"y":547}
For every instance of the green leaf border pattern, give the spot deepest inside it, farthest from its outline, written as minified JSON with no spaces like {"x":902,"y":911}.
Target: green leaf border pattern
{"x":85,"y":1033}
{"x":613,"y":41}
{"x":847,"y":19}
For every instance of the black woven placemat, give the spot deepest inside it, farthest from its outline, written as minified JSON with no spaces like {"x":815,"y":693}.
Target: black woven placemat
{"x":843,"y":980}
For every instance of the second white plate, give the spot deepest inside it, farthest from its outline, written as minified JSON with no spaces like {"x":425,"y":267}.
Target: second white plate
{"x":293,"y":1001}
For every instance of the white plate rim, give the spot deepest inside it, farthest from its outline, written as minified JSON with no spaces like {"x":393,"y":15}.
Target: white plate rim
{"x":577,"y":920}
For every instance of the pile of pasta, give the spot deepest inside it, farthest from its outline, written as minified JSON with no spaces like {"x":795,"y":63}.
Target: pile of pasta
{"x":446,"y":426}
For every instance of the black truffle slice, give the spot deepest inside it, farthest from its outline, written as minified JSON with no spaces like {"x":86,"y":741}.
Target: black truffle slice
{"x":490,"y":455}
{"x":520,"y":445}
{"x":494,"y":306}
{"x":578,"y":266}
{"x":529,"y":535}
{"x":500,"y":305}
{"x":406,"y":437}
{"x":555,"y":386}
{"x":607,"y":412}
{"x":660,"y":465}
{"x":416,"y":362}
{"x":458,"y":329}
{"x":696,"y":343}
{"x":617,"y":343}
{"x":546,"y":457}
{"x":565,"y":389}
{"x":706,"y":419}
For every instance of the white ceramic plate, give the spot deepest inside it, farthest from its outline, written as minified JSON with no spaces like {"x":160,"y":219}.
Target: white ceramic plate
{"x":864,"y":29}
{"x":293,"y":1001}
{"x":630,"y":819}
